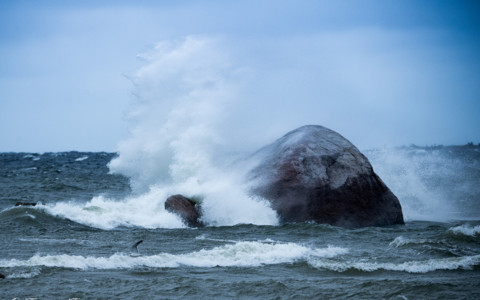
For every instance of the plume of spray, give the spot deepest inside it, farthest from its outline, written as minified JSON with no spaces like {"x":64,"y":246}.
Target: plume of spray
{"x":179,"y":94}
{"x":182,"y":95}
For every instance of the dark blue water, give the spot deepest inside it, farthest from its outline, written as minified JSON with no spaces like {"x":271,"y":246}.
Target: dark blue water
{"x":76,"y":242}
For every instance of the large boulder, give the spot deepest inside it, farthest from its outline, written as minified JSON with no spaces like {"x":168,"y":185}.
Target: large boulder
{"x":187,"y":209}
{"x":315,"y":174}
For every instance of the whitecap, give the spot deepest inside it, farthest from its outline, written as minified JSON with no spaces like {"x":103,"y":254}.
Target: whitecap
{"x":466,"y":230}
{"x":402,"y":241}
{"x":30,"y":216}
{"x":424,"y":266}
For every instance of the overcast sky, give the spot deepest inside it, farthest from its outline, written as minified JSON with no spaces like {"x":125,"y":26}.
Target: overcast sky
{"x":381,"y":73}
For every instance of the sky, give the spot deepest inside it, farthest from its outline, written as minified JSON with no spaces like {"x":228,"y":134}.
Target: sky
{"x":381,"y":73}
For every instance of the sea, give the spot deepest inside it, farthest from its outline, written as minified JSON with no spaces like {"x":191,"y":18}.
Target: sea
{"x":77,"y":242}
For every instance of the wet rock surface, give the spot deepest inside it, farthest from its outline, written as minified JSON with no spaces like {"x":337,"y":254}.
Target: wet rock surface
{"x":186,"y":208}
{"x":315,"y":174}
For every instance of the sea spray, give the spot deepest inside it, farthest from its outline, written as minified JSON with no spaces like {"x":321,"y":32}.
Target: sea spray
{"x":432,"y":183}
{"x":182,"y":95}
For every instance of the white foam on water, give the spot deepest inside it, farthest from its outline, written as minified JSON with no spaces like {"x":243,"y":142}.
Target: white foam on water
{"x":239,"y":254}
{"x":81,"y":158}
{"x":146,"y":210}
{"x":424,"y":266}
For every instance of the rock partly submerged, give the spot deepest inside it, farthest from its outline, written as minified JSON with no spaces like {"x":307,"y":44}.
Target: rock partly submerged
{"x":187,"y":209}
{"x":315,"y":174}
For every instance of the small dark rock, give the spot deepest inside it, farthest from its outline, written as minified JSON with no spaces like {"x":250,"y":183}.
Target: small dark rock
{"x":186,"y":208}
{"x":25,"y":203}
{"x":2,"y":276}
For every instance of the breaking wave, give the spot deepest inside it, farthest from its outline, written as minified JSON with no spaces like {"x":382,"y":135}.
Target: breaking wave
{"x":470,"y":231}
{"x":239,"y":254}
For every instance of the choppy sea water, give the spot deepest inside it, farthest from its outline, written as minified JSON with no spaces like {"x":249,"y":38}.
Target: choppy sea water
{"x":77,"y":241}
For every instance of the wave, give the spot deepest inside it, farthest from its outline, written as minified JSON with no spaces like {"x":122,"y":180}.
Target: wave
{"x":28,"y":215}
{"x":104,"y":213}
{"x":52,"y":241}
{"x":82,"y":158}
{"x":27,"y":273}
{"x":466,"y":230}
{"x":145,"y":211}
{"x":240,"y":254}
{"x":402,"y":241}
{"x":424,"y":266}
